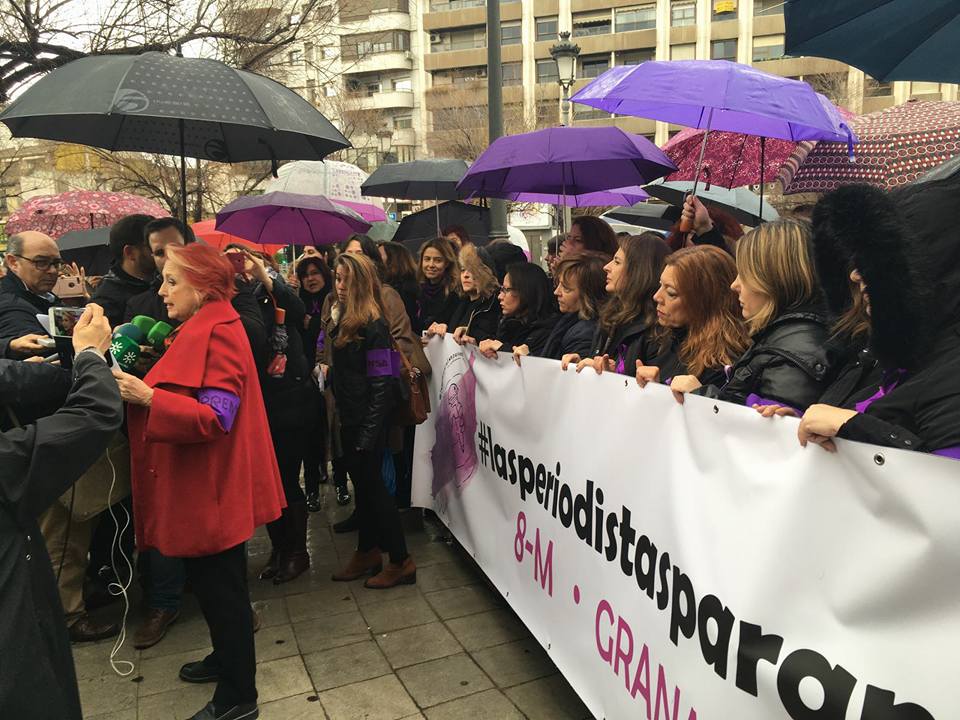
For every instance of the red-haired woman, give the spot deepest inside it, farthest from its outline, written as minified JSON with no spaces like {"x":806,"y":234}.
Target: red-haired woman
{"x":699,"y":328}
{"x":203,"y":468}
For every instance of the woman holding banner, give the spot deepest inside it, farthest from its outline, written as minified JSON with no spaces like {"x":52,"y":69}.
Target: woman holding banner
{"x":528,"y":311}
{"x":477,"y":315}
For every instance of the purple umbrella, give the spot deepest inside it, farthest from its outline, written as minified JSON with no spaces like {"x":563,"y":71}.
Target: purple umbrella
{"x":565,"y":161}
{"x":619,"y":196}
{"x":289,"y":218}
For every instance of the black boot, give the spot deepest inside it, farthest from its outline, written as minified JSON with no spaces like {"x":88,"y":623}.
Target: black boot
{"x":278,"y":532}
{"x":294,"y":560}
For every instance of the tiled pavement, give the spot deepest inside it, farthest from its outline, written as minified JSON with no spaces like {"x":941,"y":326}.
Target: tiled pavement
{"x":443,"y":649}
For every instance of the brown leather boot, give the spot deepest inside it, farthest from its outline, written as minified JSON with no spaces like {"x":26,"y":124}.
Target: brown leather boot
{"x":360,"y":564}
{"x":392,"y":575}
{"x":294,"y":560}
{"x":154,"y":627}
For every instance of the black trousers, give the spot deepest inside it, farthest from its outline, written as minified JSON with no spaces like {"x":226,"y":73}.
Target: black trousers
{"x":377,"y":518}
{"x":288,"y":445}
{"x":220,"y":584}
{"x":315,"y":447}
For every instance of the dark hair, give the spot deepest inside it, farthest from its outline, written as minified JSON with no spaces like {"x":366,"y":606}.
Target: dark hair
{"x":553,"y":244}
{"x":459,"y":230}
{"x":160,"y":224}
{"x":369,"y":248}
{"x":318,"y":263}
{"x":534,"y":290}
{"x":644,"y":257}
{"x":400,"y":269}
{"x":586,"y":270}
{"x":128,"y":230}
{"x":597,"y":235}
{"x":451,"y":274}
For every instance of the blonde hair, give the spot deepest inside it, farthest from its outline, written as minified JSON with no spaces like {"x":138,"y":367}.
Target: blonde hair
{"x":776,"y":259}
{"x":363,"y":304}
{"x":483,"y":277}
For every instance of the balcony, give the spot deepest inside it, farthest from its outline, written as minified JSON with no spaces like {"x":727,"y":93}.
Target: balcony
{"x":383,"y":100}
{"x":468,"y":94}
{"x":352,"y":11}
{"x":379,"y":62}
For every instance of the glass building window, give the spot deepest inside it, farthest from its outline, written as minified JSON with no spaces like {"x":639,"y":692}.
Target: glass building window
{"x":547,"y":71}
{"x":723,"y":50}
{"x":512,"y":73}
{"x":592,"y":66}
{"x":683,"y":52}
{"x":458,"y":39}
{"x":767,"y":47}
{"x":634,"y":57}
{"x":510,"y":33}
{"x":768,"y":7}
{"x":724,"y":10}
{"x":683,"y":12}
{"x":643,"y":17}
{"x":547,"y":28}
{"x":592,"y":23}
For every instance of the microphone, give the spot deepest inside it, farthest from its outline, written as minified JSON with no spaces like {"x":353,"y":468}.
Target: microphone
{"x":125,"y":350}
{"x":154,"y":332}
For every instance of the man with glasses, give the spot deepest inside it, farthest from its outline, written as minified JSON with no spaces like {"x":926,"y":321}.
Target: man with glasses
{"x":33,"y":265}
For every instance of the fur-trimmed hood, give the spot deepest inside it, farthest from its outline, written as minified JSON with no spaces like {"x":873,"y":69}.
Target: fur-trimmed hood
{"x":886,"y":238}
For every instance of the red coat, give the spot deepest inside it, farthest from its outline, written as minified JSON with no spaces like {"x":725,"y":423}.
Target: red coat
{"x":198,"y":490}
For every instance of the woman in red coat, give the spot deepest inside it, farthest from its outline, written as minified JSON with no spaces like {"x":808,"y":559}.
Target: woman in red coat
{"x":203,"y":467}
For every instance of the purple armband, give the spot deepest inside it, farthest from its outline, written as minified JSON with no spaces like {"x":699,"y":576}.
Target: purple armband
{"x":321,"y":341}
{"x":223,"y":403}
{"x":754,"y":399}
{"x":379,"y":363}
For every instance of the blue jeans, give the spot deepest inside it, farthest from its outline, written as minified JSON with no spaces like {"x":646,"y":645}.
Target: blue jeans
{"x":166,"y":580}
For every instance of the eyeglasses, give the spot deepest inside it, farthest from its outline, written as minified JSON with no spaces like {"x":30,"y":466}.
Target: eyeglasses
{"x":506,"y":291}
{"x":44,"y":263}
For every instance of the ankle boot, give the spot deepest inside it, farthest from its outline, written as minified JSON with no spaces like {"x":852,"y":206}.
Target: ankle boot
{"x":360,"y":564}
{"x":394,"y":574}
{"x":277,"y":530}
{"x":295,"y":560}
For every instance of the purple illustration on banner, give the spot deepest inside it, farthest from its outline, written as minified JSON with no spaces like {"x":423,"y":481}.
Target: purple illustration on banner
{"x":454,"y":453}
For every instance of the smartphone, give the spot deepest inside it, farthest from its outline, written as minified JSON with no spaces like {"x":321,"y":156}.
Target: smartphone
{"x":238,"y":260}
{"x":63,"y":320}
{"x":68,"y":286}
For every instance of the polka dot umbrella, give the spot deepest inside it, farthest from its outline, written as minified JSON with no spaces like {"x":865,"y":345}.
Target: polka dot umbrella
{"x":897,"y":145}
{"x":56,"y":215}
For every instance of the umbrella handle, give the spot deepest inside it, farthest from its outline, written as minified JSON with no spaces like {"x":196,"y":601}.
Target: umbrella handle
{"x":686,"y":224}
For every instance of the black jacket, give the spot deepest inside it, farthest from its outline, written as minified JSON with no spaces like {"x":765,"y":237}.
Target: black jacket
{"x":515,"y":331}
{"x":313,"y":306}
{"x":148,"y":303}
{"x":855,"y":371}
{"x":37,"y":465}
{"x":481,"y":317}
{"x":433,"y":306}
{"x":114,"y":290}
{"x":787,"y":363}
{"x":624,"y":346}
{"x":923,"y":411}
{"x":570,"y":334}
{"x":363,"y":387}
{"x":665,"y":354}
{"x":18,"y":311}
{"x":31,"y":391}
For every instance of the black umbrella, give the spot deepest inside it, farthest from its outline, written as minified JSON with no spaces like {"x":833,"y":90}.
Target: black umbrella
{"x":90,"y":249}
{"x":158,"y":103}
{"x":949,"y":169}
{"x":648,"y":215}
{"x":418,"y":227}
{"x":416,"y":180}
{"x":888,"y":39}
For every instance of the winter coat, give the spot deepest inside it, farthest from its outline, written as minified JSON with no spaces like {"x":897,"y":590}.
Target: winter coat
{"x":148,"y":303}
{"x":434,"y":306}
{"x":481,"y":317}
{"x":18,"y":311}
{"x":666,"y":356}
{"x":30,"y":390}
{"x":570,"y":334}
{"x":363,"y":383}
{"x":787,"y":364}
{"x":199,"y":487}
{"x":37,"y":465}
{"x":516,"y":331}
{"x":624,"y":346}
{"x":921,"y":411}
{"x":395,"y":314}
{"x":856,"y":371}
{"x":115,"y":290}
{"x":313,"y":305}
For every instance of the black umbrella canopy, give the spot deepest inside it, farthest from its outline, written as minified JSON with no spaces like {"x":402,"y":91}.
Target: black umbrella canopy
{"x":949,"y":169}
{"x":90,"y":249}
{"x":417,"y":180}
{"x":649,"y":215}
{"x":418,"y":227}
{"x":171,"y":105}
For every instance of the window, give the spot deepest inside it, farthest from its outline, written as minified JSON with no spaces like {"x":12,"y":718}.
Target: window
{"x":683,"y":12}
{"x":767,"y":47}
{"x":873,"y":88}
{"x":683,"y":52}
{"x":296,"y":57}
{"x":403,"y":122}
{"x":584,"y":112}
{"x":403,"y":84}
{"x":768,"y":7}
{"x":459,"y":76}
{"x":312,"y":91}
{"x":512,"y":73}
{"x":724,"y":9}
{"x":548,"y":112}
{"x":330,"y":90}
{"x":371,"y":87}
{"x":441,"y":5}
{"x":547,"y":28}
{"x":724,"y":50}
{"x":592,"y":66}
{"x":358,"y":46}
{"x":634,"y":57}
{"x":636,"y":18}
{"x":459,"y":39}
{"x":547,"y":71}
{"x":510,"y":33}
{"x":329,"y":52}
{"x":592,"y":23}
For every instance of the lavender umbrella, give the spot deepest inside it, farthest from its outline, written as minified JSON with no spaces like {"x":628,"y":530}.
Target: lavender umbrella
{"x":565,"y":161}
{"x":289,"y":218}
{"x":619,"y":196}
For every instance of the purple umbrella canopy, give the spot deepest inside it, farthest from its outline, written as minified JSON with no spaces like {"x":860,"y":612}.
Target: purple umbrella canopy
{"x":618,"y":196}
{"x":289,"y":218}
{"x":565,"y":161}
{"x":719,"y":95}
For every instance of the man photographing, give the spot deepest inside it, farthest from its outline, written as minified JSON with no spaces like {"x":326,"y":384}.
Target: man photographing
{"x":38,"y":463}
{"x":33,"y":263}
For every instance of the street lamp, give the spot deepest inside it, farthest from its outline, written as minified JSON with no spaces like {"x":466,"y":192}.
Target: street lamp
{"x":565,"y":54}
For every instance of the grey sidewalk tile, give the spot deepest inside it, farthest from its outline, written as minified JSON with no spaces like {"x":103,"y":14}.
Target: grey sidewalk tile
{"x":432,"y":553}
{"x":366,"y":596}
{"x":107,"y":694}
{"x":442,"y":576}
{"x":549,"y":698}
{"x":331,"y":631}
{"x":320,"y":603}
{"x":179,"y":704}
{"x":466,"y":600}
{"x":515,"y":662}
{"x":346,"y":665}
{"x":437,"y":681}
{"x":489,"y":705}
{"x":296,"y":707}
{"x":275,"y":642}
{"x":397,"y":613}
{"x":129,"y":714}
{"x":162,"y":674}
{"x":417,"y":644}
{"x":272,"y":611}
{"x":282,"y":678}
{"x":382,"y":698}
{"x":486,"y":629}
{"x":93,"y":659}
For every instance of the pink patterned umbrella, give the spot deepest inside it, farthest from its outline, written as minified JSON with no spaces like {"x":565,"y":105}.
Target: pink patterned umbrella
{"x":897,"y":145}
{"x":78,"y":210}
{"x":731,"y":159}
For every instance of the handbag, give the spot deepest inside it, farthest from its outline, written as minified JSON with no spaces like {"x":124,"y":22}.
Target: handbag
{"x":414,"y":404}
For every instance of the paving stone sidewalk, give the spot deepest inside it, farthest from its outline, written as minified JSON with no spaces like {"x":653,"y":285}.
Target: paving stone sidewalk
{"x":446,"y":648}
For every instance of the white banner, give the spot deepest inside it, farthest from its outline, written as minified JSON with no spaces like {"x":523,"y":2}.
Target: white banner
{"x":694,"y":561}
